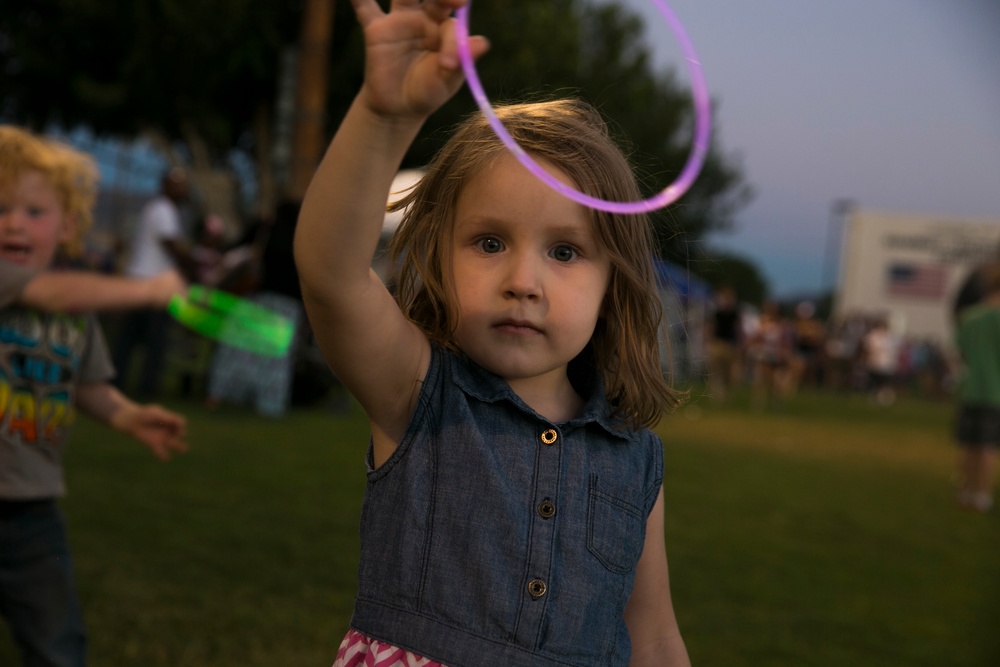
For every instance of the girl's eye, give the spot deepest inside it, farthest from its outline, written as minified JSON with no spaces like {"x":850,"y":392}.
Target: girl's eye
{"x":564,"y":253}
{"x":490,"y":245}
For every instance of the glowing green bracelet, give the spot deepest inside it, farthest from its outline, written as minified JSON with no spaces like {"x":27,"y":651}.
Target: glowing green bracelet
{"x":234,"y":321}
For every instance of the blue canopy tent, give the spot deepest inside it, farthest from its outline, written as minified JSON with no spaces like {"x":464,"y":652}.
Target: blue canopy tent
{"x":684,"y":298}
{"x":680,"y":280}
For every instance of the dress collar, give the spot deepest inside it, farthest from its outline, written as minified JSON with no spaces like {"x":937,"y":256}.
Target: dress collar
{"x":488,"y":387}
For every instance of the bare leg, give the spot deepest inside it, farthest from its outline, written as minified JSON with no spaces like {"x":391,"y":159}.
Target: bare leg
{"x":977,"y":477}
{"x":986,"y":463}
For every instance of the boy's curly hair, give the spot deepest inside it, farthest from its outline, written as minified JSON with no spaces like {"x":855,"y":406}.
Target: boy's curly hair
{"x":572,"y":135}
{"x":72,"y":174}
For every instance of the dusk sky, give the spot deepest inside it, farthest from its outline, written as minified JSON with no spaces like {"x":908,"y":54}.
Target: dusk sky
{"x":894,"y":104}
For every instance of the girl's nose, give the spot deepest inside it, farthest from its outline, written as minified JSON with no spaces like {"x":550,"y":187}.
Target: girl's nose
{"x":523,"y":280}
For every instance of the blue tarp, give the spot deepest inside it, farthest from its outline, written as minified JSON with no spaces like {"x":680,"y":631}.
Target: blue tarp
{"x":681,"y":281}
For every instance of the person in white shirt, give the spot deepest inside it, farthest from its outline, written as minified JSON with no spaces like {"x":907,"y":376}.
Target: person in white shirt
{"x":881,"y":349}
{"x":159,"y":245}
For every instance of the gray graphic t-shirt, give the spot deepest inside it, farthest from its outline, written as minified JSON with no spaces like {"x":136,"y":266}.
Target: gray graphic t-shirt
{"x":43,"y":357}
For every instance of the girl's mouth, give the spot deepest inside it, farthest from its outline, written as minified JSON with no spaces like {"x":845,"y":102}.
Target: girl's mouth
{"x":517,"y":327}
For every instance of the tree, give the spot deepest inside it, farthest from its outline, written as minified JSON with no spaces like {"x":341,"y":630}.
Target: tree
{"x":723,"y":268}
{"x":206,"y":73}
{"x":124,"y":67}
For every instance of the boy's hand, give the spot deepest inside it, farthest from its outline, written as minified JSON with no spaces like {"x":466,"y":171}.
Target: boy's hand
{"x":159,"y":429}
{"x":163,"y":286}
{"x":411,"y":55}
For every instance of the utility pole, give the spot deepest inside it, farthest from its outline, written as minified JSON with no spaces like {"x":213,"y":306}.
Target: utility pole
{"x":839,"y":210}
{"x":308,"y":137}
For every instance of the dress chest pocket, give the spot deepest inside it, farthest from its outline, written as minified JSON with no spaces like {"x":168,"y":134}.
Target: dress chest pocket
{"x":616,"y":530}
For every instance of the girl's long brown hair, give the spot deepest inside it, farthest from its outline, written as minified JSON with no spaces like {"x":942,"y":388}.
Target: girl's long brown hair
{"x":571,"y":135}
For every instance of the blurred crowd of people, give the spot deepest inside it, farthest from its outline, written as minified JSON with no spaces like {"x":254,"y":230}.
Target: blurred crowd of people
{"x":775,"y":352}
{"x":254,"y":261}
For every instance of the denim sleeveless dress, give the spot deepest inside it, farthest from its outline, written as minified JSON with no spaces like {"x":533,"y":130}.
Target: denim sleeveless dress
{"x":493,"y":537}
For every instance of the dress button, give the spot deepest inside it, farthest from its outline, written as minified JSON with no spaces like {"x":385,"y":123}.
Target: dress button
{"x":549,"y":436}
{"x":536,"y":588}
{"x":546,"y":509}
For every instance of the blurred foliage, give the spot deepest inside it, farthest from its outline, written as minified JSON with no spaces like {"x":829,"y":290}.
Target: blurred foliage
{"x":184,"y":68}
{"x":123,"y":67}
{"x":737,"y":272}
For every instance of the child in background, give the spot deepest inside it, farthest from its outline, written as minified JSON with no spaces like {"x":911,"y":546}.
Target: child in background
{"x":514,"y":509}
{"x":978,"y":423}
{"x":722,"y":333}
{"x":770,"y":349}
{"x":881,"y":358}
{"x":53,"y":362}
{"x":206,"y":251}
{"x":239,"y":376}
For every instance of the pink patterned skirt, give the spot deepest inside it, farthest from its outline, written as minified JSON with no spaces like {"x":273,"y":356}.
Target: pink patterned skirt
{"x":358,"y":650}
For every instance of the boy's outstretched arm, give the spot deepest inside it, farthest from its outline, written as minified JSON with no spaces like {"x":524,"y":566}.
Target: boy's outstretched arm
{"x":85,"y":291}
{"x":156,"y":427}
{"x":411,"y":69}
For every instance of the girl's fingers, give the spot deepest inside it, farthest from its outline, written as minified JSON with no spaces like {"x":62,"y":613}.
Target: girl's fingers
{"x":448,"y":54}
{"x":439,"y":10}
{"x":478,"y":45}
{"x":366,"y":11}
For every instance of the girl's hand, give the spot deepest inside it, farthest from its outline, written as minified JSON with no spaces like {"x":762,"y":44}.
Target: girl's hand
{"x":159,"y":429}
{"x":411,"y":56}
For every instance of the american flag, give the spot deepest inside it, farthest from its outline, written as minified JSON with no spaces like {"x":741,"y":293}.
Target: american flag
{"x":922,"y":281}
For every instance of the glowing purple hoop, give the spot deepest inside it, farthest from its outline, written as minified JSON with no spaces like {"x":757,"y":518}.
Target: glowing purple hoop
{"x":699,"y":146}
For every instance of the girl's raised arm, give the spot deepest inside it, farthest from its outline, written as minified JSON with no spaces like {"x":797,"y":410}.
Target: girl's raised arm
{"x":411,"y":69}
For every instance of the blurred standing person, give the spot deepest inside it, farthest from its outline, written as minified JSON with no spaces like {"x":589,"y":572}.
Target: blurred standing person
{"x":843,"y":355}
{"x":770,"y":351}
{"x":837,"y":358}
{"x":973,"y":288}
{"x":239,"y":376}
{"x":723,"y":336}
{"x":809,"y":334}
{"x":978,"y":421}
{"x":159,"y":245}
{"x":881,"y":358}
{"x":207,"y":249}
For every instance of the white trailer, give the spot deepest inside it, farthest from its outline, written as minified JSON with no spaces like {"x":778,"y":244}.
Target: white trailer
{"x":909,"y":267}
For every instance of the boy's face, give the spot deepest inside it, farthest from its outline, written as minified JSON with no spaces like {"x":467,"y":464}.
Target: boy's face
{"x":32,"y":222}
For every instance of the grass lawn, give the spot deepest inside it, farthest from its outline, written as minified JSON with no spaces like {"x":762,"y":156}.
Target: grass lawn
{"x":823,"y":534}
{"x":820,"y":534}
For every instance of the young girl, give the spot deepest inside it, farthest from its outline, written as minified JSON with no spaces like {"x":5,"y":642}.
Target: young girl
{"x":514,"y":513}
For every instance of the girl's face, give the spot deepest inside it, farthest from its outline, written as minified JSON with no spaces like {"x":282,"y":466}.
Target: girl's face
{"x":32,"y":222}
{"x":528,"y":273}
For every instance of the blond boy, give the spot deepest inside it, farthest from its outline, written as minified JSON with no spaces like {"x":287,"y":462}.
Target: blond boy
{"x":54,"y":362}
